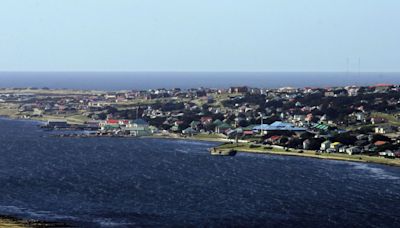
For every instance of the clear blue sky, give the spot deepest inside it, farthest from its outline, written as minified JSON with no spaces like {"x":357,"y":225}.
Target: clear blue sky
{"x":199,"y":35}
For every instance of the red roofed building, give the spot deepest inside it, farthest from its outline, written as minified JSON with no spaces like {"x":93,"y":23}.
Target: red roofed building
{"x":383,"y":85}
{"x":112,"y":121}
{"x":206,"y":120}
{"x":380,"y":143}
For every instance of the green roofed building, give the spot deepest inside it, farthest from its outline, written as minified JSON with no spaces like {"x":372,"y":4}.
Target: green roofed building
{"x":222,"y":128}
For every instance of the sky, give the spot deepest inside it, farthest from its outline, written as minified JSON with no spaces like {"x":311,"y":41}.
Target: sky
{"x":200,"y":35}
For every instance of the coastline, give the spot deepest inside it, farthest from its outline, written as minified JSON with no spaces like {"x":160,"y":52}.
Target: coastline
{"x":242,"y":148}
{"x":13,"y":222}
{"x":245,"y":148}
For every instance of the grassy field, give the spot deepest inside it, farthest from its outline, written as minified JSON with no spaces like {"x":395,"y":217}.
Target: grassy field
{"x":208,"y":136}
{"x":51,"y":91}
{"x":390,"y":117}
{"x":10,"y":110}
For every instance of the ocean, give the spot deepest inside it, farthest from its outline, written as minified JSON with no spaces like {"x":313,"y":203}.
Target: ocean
{"x":184,"y":80}
{"x":116,"y":182}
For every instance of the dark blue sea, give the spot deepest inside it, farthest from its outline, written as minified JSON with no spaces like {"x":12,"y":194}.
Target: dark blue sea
{"x":114,"y":182}
{"x":186,"y":80}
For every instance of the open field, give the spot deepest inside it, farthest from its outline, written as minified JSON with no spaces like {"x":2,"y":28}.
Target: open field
{"x":51,"y":91}
{"x":391,"y":118}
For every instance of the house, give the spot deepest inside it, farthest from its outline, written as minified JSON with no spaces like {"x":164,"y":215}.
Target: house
{"x":306,"y":144}
{"x":378,"y":120}
{"x":384,"y":130}
{"x":387,"y":154}
{"x":189,"y":131}
{"x":222,"y":128}
{"x":109,"y":124}
{"x":242,"y":89}
{"x":353,"y":150}
{"x":139,"y":123}
{"x":325,"y":145}
{"x":380,"y":143}
{"x":124,"y":122}
{"x":361,"y":116}
{"x":138,"y":127}
{"x":336,"y":146}
{"x":195,"y":125}
{"x":274,"y":139}
{"x":329,"y":94}
{"x":206,"y":120}
{"x":343,"y":149}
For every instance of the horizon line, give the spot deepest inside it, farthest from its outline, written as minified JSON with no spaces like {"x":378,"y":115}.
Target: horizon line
{"x":185,"y":71}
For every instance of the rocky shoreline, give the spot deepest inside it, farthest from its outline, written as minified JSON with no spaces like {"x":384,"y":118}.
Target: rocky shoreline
{"x":9,"y":221}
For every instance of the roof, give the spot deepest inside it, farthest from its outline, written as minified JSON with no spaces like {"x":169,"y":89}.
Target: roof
{"x":224,"y":125}
{"x":322,"y":127}
{"x":279,"y":126}
{"x":189,"y":130}
{"x":383,"y":85}
{"x":336,"y":144}
{"x":110,"y":127}
{"x":140,"y":122}
{"x":112,"y":121}
{"x":275,"y":137}
{"x":249,"y":128}
{"x":380,"y":143}
{"x":218,"y":122}
{"x":135,"y":129}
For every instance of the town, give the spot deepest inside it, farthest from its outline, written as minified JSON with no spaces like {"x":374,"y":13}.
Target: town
{"x":349,"y":120}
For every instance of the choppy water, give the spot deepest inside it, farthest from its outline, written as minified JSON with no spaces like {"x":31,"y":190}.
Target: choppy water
{"x":111,"y":182}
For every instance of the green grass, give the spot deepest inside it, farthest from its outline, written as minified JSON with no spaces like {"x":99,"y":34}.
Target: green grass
{"x":208,"y":136}
{"x":390,"y":117}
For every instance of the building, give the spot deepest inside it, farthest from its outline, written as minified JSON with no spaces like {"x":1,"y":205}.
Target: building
{"x":378,"y":120}
{"x":335,"y":146}
{"x":325,"y":145}
{"x":278,"y":126}
{"x":109,"y":125}
{"x":57,"y":124}
{"x":138,"y":128}
{"x":353,"y":150}
{"x":242,"y":89}
{"x":384,"y":130}
{"x":189,"y":131}
{"x":222,"y":128}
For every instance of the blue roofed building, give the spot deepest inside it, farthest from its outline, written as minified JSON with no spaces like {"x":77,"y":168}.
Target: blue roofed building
{"x":278,"y":126}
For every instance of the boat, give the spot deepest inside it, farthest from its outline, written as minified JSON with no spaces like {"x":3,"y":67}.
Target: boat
{"x":219,"y":152}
